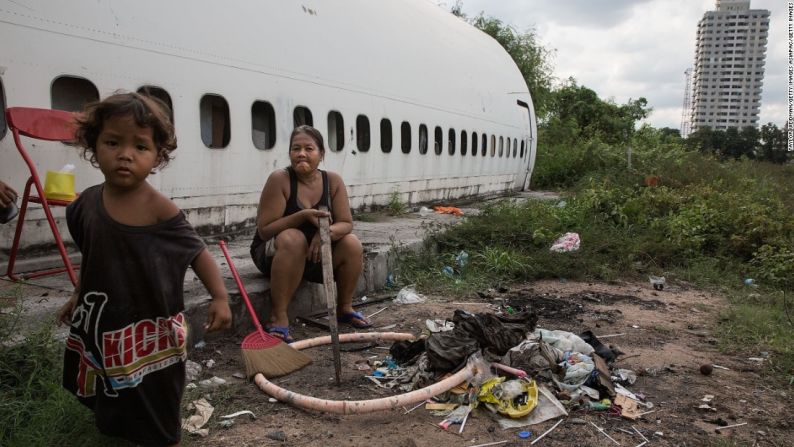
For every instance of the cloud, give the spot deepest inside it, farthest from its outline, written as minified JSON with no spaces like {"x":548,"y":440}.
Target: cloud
{"x":584,"y":13}
{"x":625,"y":49}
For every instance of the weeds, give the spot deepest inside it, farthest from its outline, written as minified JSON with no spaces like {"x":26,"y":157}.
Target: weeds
{"x":31,"y":397}
{"x":706,"y":222}
{"x":396,"y":206}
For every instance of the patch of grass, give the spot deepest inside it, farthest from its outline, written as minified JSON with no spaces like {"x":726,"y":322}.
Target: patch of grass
{"x":34,"y":408}
{"x":757,"y":322}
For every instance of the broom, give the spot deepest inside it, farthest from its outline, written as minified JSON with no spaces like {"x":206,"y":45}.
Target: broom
{"x":262,"y":352}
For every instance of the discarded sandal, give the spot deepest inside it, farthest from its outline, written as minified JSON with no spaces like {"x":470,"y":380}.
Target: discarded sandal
{"x":354,"y":319}
{"x":281,"y":332}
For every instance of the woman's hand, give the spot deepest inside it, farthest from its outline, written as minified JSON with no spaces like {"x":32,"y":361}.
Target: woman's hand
{"x":315,"y":254}
{"x":66,"y":311}
{"x":313,"y":216}
{"x":7,"y":195}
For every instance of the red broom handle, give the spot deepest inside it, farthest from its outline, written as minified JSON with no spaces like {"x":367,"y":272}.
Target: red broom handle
{"x":241,"y":288}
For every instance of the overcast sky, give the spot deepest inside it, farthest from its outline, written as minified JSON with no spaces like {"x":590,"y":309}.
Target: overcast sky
{"x":630,"y":48}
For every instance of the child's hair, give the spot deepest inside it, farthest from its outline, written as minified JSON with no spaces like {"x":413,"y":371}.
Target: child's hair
{"x":147,"y":111}
{"x":313,"y":133}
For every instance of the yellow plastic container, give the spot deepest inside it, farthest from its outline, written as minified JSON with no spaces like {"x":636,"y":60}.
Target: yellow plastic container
{"x":508,"y":407}
{"x":59,"y":185}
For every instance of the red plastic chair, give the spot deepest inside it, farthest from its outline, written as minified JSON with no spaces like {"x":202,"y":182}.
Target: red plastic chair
{"x":40,"y":124}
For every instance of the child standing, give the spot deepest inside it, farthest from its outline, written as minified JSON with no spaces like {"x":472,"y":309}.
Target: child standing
{"x":126,"y":350}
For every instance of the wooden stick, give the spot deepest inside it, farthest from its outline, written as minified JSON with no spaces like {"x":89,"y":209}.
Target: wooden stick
{"x":609,"y":336}
{"x":730,"y":426}
{"x":375,"y":313}
{"x":604,"y":433}
{"x":639,"y":433}
{"x":546,"y":432}
{"x":414,"y":408}
{"x":330,"y":290}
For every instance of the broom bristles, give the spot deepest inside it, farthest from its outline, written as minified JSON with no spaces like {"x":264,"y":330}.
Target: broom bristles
{"x":274,"y":361}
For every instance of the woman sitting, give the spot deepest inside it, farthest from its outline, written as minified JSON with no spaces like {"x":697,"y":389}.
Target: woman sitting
{"x":286,"y":246}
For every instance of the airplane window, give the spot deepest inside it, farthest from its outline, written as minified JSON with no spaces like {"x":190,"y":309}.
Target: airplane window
{"x":336,"y":131}
{"x":422,"y":139}
{"x":515,"y":147}
{"x":484,"y":145}
{"x":474,"y":144}
{"x":464,"y":141}
{"x":72,"y":94}
{"x":451,"y":145}
{"x":215,"y":123}
{"x":439,"y":140}
{"x":161,"y":94}
{"x":3,"y":126}
{"x":493,"y":145}
{"x":263,"y":125}
{"x":302,"y":115}
{"x":385,"y":135}
{"x":405,"y":137}
{"x":522,"y":148}
{"x":362,"y":133}
{"x":501,"y":147}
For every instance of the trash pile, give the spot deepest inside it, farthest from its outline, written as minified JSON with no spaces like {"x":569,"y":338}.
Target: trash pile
{"x":527,"y":375}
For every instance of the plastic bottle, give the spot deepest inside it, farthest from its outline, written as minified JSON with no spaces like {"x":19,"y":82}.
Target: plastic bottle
{"x":462,"y":258}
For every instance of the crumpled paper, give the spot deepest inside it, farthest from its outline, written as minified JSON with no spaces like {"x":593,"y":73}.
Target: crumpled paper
{"x":203,"y":413}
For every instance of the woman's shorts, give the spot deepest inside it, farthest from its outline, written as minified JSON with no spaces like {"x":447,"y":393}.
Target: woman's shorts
{"x":263,"y":259}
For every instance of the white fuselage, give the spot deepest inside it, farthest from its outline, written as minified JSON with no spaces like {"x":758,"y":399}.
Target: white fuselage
{"x":399,"y":60}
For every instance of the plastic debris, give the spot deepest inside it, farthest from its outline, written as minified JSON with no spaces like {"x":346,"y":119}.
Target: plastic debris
{"x":548,"y":407}
{"x":209,"y":363}
{"x":193,"y":424}
{"x":457,"y":416}
{"x":625,"y":376}
{"x":566,"y":243}
{"x":408,"y":295}
{"x":564,"y":341}
{"x":192,"y":370}
{"x":512,"y":398}
{"x":448,"y":210}
{"x":657,"y":282}
{"x":439,"y":325}
{"x":212,"y":382}
{"x":462,"y":259}
{"x":200,"y":344}
{"x":424,"y":211}
{"x":448,"y":271}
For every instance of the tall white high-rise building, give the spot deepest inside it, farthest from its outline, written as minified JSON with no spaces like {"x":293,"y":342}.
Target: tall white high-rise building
{"x":729,"y":66}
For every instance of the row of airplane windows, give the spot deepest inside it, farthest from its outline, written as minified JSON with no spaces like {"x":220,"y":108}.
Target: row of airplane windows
{"x":72,"y":93}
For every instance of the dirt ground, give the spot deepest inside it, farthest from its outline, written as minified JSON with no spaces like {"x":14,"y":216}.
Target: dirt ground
{"x":667,"y":335}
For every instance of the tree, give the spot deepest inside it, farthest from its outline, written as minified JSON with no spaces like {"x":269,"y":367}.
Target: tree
{"x":577,"y":106}
{"x":773,"y":144}
{"x":531,"y":57}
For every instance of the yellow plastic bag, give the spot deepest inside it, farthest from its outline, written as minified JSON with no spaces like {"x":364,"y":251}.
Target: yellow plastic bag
{"x":59,"y":185}
{"x":513,"y":407}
